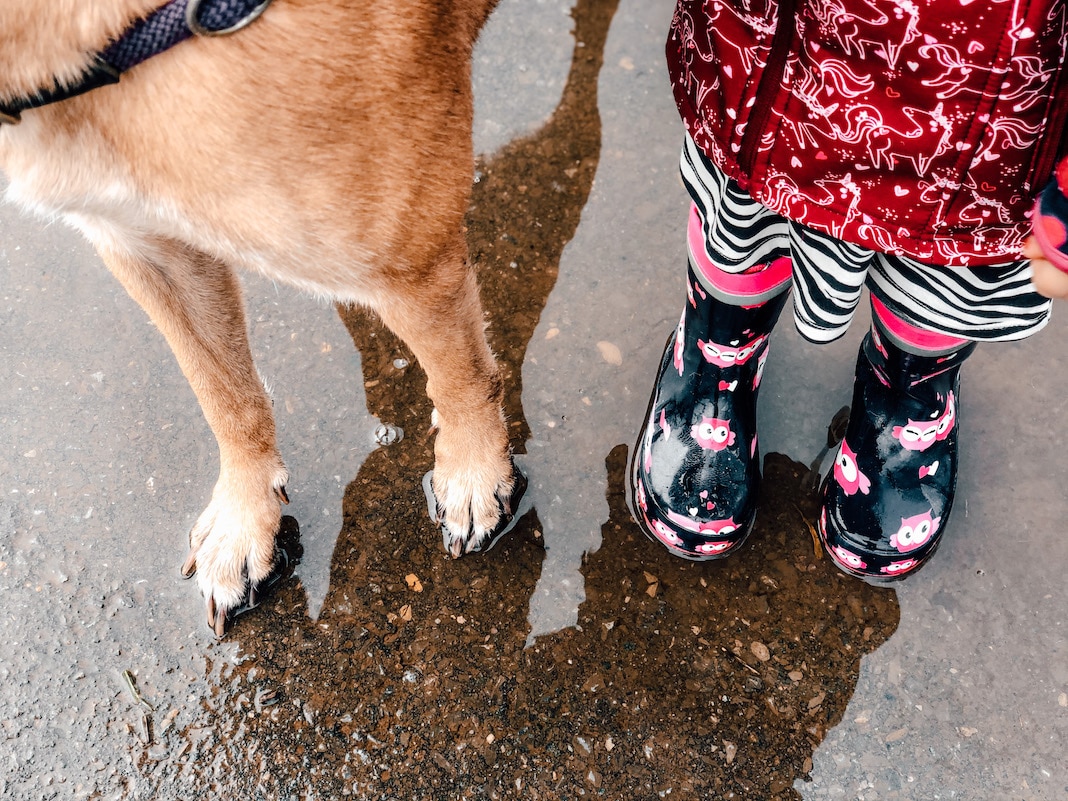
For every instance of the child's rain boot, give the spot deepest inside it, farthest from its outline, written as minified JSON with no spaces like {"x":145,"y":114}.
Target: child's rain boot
{"x":695,"y":470}
{"x":887,"y":500}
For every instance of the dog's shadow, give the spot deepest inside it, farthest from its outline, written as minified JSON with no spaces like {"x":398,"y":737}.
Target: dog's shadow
{"x":416,"y":680}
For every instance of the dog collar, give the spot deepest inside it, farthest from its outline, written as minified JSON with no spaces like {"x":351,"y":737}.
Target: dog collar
{"x":161,"y":30}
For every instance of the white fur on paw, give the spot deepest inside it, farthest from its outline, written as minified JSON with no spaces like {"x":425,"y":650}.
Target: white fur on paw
{"x":233,"y":540}
{"x":469,"y":508}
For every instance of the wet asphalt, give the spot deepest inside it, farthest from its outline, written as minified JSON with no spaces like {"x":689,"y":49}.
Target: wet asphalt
{"x":576,"y":658}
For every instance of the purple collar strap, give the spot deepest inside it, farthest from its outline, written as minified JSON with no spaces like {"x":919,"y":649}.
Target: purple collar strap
{"x":161,"y":30}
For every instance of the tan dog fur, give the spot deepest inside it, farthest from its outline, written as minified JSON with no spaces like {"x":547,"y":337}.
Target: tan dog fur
{"x":327,"y":145}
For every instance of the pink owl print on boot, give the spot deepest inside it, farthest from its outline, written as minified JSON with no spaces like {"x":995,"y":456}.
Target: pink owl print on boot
{"x":663,"y":532}
{"x":898,"y":568}
{"x":917,"y":435}
{"x":709,"y":528}
{"x":709,"y":548}
{"x":848,"y":474}
{"x":713,"y":434}
{"x":668,"y":532}
{"x":921,"y":435}
{"x":847,"y":559}
{"x":915,"y":531}
{"x":730,"y":355}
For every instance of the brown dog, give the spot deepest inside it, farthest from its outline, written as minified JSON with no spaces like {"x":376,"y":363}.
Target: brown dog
{"x":327,"y":144}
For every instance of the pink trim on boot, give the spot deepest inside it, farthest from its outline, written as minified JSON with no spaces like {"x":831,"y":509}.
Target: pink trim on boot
{"x":750,"y":288}
{"x":912,"y":338}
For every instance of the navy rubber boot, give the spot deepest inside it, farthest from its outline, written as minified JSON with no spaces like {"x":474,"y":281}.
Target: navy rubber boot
{"x":887,"y":500}
{"x":695,"y":470}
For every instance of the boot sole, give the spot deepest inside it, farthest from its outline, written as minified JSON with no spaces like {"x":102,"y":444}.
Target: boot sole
{"x":873,"y":579}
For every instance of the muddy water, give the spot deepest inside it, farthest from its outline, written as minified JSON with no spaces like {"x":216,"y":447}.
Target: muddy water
{"x":415,"y":681}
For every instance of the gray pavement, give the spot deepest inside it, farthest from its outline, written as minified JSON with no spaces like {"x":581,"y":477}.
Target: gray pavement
{"x":105,"y":462}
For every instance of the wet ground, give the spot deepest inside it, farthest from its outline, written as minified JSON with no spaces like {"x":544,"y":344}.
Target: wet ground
{"x":576,"y":658}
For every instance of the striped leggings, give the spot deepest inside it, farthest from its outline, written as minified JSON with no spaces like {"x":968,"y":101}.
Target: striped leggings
{"x":992,"y":303}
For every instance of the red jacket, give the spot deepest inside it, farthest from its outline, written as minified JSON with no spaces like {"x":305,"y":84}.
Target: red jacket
{"x":918,"y":127}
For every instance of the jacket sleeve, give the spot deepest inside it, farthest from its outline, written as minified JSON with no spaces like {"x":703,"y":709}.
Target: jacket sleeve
{"x":1050,"y":220}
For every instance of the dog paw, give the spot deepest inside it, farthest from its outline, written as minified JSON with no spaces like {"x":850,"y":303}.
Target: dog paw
{"x":232,"y":546}
{"x":471,"y":517}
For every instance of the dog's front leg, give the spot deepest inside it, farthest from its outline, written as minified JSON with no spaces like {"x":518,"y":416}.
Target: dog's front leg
{"x":196,"y":302}
{"x":439,"y":316}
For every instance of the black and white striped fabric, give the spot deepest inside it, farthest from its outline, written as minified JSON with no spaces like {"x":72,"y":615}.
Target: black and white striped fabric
{"x":995,"y":303}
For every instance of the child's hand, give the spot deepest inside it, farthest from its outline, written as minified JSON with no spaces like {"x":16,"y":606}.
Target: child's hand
{"x":1047,"y":279}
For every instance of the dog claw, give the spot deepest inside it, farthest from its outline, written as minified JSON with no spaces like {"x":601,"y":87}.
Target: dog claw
{"x":471,"y":541}
{"x":189,"y":567}
{"x":216,"y":618}
{"x":286,"y":555}
{"x":220,"y":624}
{"x":282,"y":496}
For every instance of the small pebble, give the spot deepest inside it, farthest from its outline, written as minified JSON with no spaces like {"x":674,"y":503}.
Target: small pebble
{"x":729,"y":751}
{"x":894,"y":736}
{"x":610,"y":352}
{"x":265,"y":698}
{"x":386,"y":434}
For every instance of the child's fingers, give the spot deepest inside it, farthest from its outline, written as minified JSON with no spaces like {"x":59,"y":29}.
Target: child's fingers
{"x":1031,"y":249}
{"x":1048,"y":280}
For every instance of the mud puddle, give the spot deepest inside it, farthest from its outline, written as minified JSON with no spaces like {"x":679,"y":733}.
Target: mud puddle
{"x":714,"y":680}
